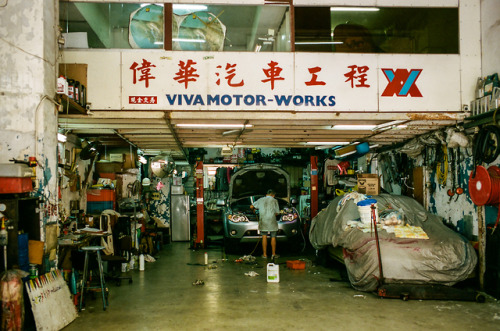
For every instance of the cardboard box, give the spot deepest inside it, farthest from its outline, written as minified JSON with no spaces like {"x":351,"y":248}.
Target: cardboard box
{"x":369,"y":184}
{"x":108,"y":167}
{"x":116,"y":158}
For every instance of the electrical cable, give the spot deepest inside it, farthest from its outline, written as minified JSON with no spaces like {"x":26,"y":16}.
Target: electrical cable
{"x":442,"y":167}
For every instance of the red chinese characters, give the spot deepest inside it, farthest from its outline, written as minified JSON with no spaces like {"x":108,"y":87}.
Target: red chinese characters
{"x":145,"y":72}
{"x":231,"y":73}
{"x":272,"y":74}
{"x":314,"y":77}
{"x":187,"y":73}
{"x":359,"y":74}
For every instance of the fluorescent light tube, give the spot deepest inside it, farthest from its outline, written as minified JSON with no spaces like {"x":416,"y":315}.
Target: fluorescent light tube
{"x":353,"y":127}
{"x":329,"y":143}
{"x":388,"y":124}
{"x":195,"y":125}
{"x":183,"y":40}
{"x":189,"y":7}
{"x":354,"y":9}
{"x":61,"y":138}
{"x":318,"y":42}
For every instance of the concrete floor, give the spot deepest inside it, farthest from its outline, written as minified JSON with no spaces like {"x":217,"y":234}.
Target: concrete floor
{"x":163,"y":298}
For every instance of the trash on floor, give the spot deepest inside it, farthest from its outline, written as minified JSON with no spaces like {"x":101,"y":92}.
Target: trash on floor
{"x":212,"y":266}
{"x":359,"y":296}
{"x":251,"y":273}
{"x":248,"y":258}
{"x":198,"y":282}
{"x":149,"y":258}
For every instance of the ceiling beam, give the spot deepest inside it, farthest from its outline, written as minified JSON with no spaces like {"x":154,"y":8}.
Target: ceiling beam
{"x":166,"y":117}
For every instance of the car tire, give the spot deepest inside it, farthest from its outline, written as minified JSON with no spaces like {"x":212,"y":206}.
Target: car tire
{"x":230,"y":245}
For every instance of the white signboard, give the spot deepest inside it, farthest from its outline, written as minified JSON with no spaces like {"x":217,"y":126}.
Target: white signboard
{"x":290,"y":81}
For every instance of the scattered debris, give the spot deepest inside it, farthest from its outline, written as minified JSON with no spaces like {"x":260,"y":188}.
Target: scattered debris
{"x":248,"y":258}
{"x":440,"y":308}
{"x":149,"y":258}
{"x":212,"y":266}
{"x":359,"y":296}
{"x":198,"y":282}
{"x":496,"y":317}
{"x":251,"y":273}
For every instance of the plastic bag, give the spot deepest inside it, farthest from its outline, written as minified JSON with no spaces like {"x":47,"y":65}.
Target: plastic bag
{"x":11,"y":295}
{"x":391,"y":217}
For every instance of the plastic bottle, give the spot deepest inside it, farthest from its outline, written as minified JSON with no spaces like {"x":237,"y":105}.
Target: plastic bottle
{"x":141,"y":262}
{"x":77,"y":93}
{"x":71,"y":89}
{"x":83,"y":99}
{"x":3,"y":234}
{"x":62,"y":85}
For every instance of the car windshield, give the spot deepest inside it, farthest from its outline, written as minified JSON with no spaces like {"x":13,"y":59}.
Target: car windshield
{"x":256,"y":183}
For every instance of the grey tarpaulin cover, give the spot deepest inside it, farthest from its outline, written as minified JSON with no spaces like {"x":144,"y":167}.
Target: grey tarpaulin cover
{"x":445,"y":258}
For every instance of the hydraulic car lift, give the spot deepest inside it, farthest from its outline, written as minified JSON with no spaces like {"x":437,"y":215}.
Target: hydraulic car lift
{"x":199,"y":242}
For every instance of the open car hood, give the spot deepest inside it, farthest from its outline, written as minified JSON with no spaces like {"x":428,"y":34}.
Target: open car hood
{"x":257,"y":179}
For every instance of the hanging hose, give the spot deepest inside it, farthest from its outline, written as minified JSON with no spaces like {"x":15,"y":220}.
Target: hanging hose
{"x":485,"y":150}
{"x":442,"y":167}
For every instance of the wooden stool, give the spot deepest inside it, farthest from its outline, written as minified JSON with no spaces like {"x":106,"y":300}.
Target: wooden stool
{"x":97,"y":250}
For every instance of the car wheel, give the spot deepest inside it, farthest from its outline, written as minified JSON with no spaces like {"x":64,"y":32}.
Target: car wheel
{"x":230,"y":245}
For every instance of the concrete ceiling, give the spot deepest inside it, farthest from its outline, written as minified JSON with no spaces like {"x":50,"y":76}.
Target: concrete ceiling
{"x":155,"y":131}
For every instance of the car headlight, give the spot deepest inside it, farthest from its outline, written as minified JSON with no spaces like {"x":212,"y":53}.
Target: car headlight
{"x":289,"y":217}
{"x":236,"y":218}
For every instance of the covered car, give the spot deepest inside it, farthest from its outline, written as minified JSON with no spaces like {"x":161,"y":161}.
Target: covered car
{"x":247,"y":185}
{"x":407,"y":257}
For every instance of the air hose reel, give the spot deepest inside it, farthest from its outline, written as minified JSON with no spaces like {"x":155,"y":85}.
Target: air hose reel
{"x":484,"y":187}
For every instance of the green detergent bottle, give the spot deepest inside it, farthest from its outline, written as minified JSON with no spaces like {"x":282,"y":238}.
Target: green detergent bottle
{"x":490,"y":83}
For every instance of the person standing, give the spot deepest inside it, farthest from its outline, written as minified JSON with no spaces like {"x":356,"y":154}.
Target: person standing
{"x":268,"y":225}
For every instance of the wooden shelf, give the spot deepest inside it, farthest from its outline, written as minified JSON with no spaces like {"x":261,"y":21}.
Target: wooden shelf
{"x":69,"y":106}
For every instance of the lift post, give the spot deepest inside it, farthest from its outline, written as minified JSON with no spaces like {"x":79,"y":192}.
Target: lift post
{"x":200,"y":209}
{"x":314,"y":186}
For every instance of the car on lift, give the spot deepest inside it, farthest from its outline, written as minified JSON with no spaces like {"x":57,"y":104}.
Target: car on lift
{"x":247,"y":185}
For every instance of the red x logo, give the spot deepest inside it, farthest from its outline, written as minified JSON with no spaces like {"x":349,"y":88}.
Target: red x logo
{"x":402,"y":82}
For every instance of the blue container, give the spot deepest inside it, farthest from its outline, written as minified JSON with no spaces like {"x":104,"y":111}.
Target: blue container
{"x":363,"y":148}
{"x":23,"y":258}
{"x":367,"y":202}
{"x":97,"y":207}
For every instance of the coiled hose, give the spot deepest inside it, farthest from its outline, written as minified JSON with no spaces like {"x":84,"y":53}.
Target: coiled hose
{"x":486,"y":147}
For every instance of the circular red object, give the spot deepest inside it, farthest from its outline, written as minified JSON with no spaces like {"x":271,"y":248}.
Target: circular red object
{"x":480,"y":186}
{"x":484,"y":188}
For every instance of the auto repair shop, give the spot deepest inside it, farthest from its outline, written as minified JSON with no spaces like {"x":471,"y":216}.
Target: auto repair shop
{"x":138,"y":140}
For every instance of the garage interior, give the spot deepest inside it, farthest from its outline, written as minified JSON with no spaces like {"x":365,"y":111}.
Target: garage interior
{"x":387,"y":177}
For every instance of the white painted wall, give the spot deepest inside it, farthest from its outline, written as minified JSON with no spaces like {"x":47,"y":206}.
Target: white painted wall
{"x":490,"y":36}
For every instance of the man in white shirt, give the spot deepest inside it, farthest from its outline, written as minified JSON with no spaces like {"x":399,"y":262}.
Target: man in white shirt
{"x":268,"y":225}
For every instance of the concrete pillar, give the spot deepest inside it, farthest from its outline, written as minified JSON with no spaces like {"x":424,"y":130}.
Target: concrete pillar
{"x":28,"y":68}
